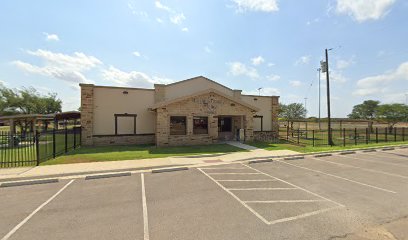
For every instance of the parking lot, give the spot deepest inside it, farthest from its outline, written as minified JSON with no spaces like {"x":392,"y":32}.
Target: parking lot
{"x":353,"y":196}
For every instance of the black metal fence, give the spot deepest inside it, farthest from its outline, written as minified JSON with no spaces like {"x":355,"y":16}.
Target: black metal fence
{"x":344,"y":137}
{"x":27,"y":149}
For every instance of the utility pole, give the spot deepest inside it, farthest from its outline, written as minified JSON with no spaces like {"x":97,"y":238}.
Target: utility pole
{"x":330,"y":140}
{"x":259,"y":91}
{"x":306,"y":106}
{"x":319,"y":69}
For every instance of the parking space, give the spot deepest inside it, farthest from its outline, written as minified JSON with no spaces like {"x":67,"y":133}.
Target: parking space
{"x":311,"y":198}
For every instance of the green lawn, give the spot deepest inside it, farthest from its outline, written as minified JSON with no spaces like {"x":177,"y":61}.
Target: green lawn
{"x":116,"y":153}
{"x":308,"y":149}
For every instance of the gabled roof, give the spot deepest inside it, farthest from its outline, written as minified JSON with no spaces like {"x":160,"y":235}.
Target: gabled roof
{"x":210,"y":90}
{"x":195,"y":78}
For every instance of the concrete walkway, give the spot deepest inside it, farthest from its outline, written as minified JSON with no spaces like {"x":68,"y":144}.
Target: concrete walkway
{"x":8,"y":174}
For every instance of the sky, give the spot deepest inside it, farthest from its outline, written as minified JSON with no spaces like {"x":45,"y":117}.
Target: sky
{"x":275,"y":45}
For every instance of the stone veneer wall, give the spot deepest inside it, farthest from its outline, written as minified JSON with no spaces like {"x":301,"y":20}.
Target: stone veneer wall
{"x":266,"y":136}
{"x":103,"y":140}
{"x":87,"y":113}
{"x":207,"y":105}
{"x":275,"y":118}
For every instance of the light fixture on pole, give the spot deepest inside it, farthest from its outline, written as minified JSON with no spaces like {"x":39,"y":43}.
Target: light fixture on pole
{"x":259,"y":91}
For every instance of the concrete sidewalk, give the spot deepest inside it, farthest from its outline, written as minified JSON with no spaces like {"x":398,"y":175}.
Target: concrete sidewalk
{"x":21,"y":173}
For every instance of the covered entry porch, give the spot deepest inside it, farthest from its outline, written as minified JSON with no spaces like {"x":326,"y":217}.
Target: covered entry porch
{"x":231,"y":128}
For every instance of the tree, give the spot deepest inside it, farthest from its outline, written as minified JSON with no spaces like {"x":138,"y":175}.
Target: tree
{"x":366,"y":110}
{"x":27,"y":101}
{"x":392,"y":114}
{"x":292,"y":111}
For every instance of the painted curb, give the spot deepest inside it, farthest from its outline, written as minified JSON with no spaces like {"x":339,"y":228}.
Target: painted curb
{"x":369,"y":150}
{"x":294,"y":158}
{"x":323,"y":155}
{"x":161,"y":170}
{"x":32,"y":182}
{"x":346,"y":153}
{"x":110,"y":175}
{"x":388,"y":149}
{"x":260,"y":161}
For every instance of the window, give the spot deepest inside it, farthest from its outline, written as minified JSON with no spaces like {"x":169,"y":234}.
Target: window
{"x":200,"y":125}
{"x":178,"y":125}
{"x":125,"y":124}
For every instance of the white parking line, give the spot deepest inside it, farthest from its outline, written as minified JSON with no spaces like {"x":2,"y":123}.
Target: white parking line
{"x":364,"y":169}
{"x":233,"y":173}
{"x":260,"y":189}
{"x":303,"y":215}
{"x":8,"y":235}
{"x":335,"y":176}
{"x":293,"y":185}
{"x":288,"y":201}
{"x":235,"y":168}
{"x":377,"y":161}
{"x":145,"y":217}
{"x":236,"y":198}
{"x":390,"y":155}
{"x":256,"y":180}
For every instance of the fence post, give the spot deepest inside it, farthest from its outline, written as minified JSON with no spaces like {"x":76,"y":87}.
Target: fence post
{"x":376,"y":135}
{"x":74,"y":137}
{"x":344,"y":137}
{"x":66,"y":139}
{"x":395,"y":134}
{"x":287,"y":132}
{"x":367,"y":136}
{"x":298,"y":136}
{"x":53,"y":143}
{"x":37,"y":146}
{"x":386,"y":134}
{"x":313,"y":136}
{"x":355,"y":136}
{"x":403,"y":134}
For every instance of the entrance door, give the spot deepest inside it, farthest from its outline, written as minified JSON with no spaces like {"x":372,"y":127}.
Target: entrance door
{"x":225,"y":128}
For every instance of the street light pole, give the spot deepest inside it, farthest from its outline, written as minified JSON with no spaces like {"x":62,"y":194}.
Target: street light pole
{"x":319,"y":69}
{"x":306,"y":105}
{"x":330,"y":140}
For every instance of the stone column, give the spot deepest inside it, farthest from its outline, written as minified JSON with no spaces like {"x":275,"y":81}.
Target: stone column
{"x":275,"y":118}
{"x":162,"y":127}
{"x":213,"y":127}
{"x":87,"y":100}
{"x":249,"y":127}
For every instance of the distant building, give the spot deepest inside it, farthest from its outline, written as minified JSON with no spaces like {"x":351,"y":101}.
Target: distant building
{"x":193,"y":111}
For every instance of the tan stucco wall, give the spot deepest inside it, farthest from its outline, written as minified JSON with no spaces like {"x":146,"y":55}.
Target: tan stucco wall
{"x":192,"y":86}
{"x":110,"y":101}
{"x":265,"y":106}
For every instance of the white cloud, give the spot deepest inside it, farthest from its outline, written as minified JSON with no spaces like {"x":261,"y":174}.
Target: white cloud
{"x":303,"y":60}
{"x":256,"y":5}
{"x":163,"y":7}
{"x":177,"y":18}
{"x":132,"y":78}
{"x":295,"y":83}
{"x":273,"y":77}
{"x":268,"y":91}
{"x":378,"y":84}
{"x":61,"y":66}
{"x":207,"y":49}
{"x":240,"y":69}
{"x":337,"y":76}
{"x":343,"y":64}
{"x":136,"y":53}
{"x":363,"y":10}
{"x":257,"y":60}
{"x":271,"y":64}
{"x":310,"y":22}
{"x":51,"y":37}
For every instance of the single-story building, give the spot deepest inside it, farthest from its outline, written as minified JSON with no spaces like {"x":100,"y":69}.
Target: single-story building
{"x":188,"y":112}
